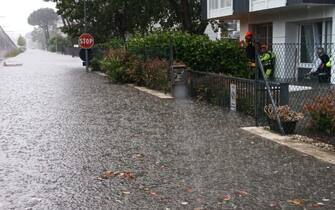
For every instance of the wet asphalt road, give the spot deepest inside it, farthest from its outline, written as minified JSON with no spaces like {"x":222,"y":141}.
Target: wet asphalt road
{"x":61,"y":128}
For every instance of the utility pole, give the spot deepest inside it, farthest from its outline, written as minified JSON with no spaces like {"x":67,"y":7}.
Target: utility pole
{"x":85,"y":30}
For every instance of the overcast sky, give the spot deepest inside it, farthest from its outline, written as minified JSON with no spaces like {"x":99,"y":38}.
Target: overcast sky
{"x":14,"y":14}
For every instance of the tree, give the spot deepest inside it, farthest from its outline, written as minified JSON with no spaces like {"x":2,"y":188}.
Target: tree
{"x":38,"y":37}
{"x":45,"y":19}
{"x":21,"y":41}
{"x":108,"y":18}
{"x":185,"y":14}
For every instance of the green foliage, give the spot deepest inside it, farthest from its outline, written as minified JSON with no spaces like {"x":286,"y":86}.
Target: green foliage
{"x":109,"y":18}
{"x":58,"y":43}
{"x":44,"y":18}
{"x":197,"y":51}
{"x":156,"y":74}
{"x":115,"y":64}
{"x":96,"y":65}
{"x":13,"y":53}
{"x":39,"y":37}
{"x":322,"y":113}
{"x":21,"y":41}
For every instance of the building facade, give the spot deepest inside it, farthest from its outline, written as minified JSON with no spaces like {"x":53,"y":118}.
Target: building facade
{"x":6,"y":44}
{"x":293,"y":28}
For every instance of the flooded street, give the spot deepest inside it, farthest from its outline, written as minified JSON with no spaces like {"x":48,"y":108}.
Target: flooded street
{"x":61,"y":128}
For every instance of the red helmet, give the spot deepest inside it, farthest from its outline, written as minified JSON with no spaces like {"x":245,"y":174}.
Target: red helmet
{"x":248,"y":34}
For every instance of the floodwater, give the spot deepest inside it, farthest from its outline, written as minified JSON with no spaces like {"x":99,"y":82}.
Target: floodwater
{"x":62,"y":128}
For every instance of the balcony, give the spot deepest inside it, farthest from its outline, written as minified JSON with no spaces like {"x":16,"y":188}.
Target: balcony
{"x":257,"y":5}
{"x":225,"y":8}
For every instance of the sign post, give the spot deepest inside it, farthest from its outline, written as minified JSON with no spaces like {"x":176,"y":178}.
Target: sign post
{"x":86,"y":41}
{"x":233,"y":97}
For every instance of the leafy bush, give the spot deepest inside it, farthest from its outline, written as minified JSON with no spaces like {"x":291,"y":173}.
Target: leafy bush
{"x":58,"y":43}
{"x":136,"y":71}
{"x":115,"y":64}
{"x":322,"y":113}
{"x":96,"y":64}
{"x":197,"y":51}
{"x":156,"y":74}
{"x":100,"y":50}
{"x":13,"y":53}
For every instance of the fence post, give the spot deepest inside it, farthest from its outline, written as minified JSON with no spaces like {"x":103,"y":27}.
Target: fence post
{"x":284,"y":94}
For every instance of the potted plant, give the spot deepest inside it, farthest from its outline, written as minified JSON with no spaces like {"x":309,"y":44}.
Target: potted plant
{"x":288,"y":118}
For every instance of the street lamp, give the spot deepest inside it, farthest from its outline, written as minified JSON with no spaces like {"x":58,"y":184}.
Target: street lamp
{"x":85,"y":30}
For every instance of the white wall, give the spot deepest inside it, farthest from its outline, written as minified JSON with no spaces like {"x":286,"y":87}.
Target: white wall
{"x":256,"y":5}
{"x":286,"y":27}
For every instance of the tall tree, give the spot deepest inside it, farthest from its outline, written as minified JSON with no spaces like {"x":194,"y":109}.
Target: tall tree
{"x":106,"y":18}
{"x":45,"y":19}
{"x":21,"y":41}
{"x":38,"y":37}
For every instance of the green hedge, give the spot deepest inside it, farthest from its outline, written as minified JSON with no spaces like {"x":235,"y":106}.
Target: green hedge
{"x":197,"y":51}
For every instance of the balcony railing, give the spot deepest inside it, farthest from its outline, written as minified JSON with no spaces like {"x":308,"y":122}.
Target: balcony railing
{"x":257,"y":5}
{"x":219,"y":8}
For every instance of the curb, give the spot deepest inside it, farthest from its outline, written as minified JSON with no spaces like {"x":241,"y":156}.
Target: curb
{"x":288,"y":141}
{"x":155,"y":93}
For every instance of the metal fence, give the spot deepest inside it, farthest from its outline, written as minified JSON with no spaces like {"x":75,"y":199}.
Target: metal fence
{"x":292,"y":63}
{"x":251,"y":95}
{"x":289,"y":86}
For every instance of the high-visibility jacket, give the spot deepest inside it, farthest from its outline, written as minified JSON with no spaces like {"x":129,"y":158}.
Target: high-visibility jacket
{"x":325,"y":68}
{"x":267,"y":60}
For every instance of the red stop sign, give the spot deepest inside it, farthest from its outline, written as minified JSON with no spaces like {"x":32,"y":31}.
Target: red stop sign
{"x":86,"y":41}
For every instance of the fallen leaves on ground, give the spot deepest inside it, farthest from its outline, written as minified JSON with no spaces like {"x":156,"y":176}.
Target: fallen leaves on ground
{"x":189,"y":190}
{"x":138,"y":156}
{"x":107,"y":174}
{"x":153,"y":194}
{"x":227,"y":198}
{"x":123,"y":175}
{"x":241,"y":193}
{"x":297,"y":202}
{"x":126,"y":175}
{"x":317,"y":205}
{"x":274,"y":204}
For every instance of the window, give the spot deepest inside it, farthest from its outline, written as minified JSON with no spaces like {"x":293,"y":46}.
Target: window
{"x":263,"y":33}
{"x":226,"y":3}
{"x":219,"y":4}
{"x":313,"y":35}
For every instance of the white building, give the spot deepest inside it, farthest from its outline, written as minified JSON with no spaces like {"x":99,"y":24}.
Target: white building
{"x":287,"y":24}
{"x":6,"y":44}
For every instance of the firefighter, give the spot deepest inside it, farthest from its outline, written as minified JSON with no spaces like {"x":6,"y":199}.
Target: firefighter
{"x":248,"y":45}
{"x":267,"y":58}
{"x":322,"y":67}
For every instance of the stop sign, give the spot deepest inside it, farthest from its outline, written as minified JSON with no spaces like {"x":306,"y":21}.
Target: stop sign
{"x":86,"y":41}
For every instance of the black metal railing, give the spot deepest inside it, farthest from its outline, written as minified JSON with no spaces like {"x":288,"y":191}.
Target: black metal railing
{"x":251,"y":95}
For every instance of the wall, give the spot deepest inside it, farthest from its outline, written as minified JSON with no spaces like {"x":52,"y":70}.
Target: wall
{"x":285,"y":29}
{"x":6,"y":44}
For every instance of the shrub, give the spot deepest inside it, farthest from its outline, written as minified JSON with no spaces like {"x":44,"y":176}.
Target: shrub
{"x":136,"y":71}
{"x":100,"y":50}
{"x":96,"y":64}
{"x":115,"y":64}
{"x":322,"y":113}
{"x":13,"y":53}
{"x":197,"y":51}
{"x":156,"y":74}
